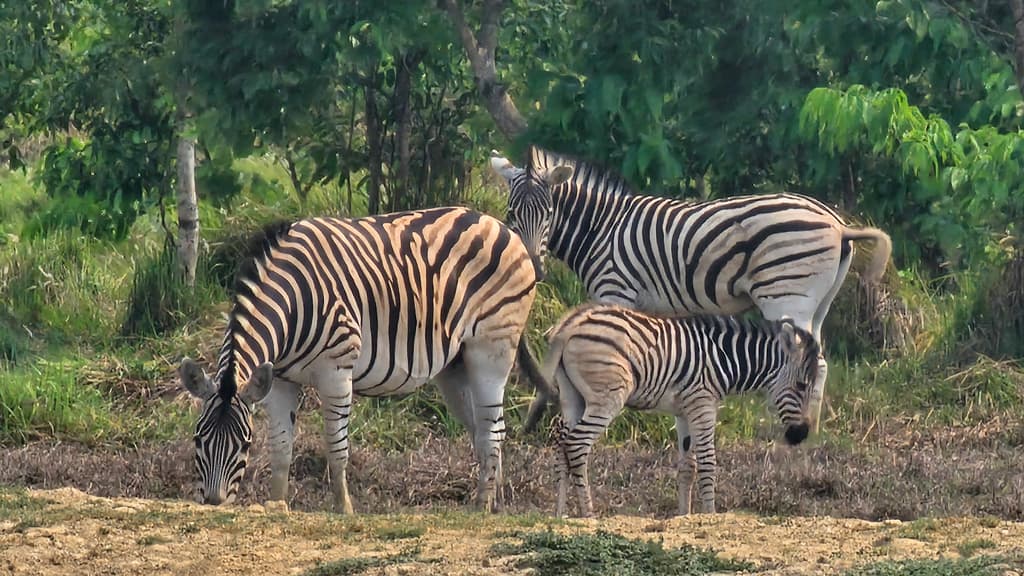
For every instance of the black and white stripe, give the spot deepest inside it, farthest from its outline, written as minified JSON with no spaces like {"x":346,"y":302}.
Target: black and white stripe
{"x":369,"y":306}
{"x":606,"y":357}
{"x":785,"y":254}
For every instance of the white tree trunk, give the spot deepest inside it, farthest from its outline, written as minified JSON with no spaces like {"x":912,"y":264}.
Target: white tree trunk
{"x":188,"y":210}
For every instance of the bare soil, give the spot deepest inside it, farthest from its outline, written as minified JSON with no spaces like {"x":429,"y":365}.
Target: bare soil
{"x":820,"y":508}
{"x":66,"y":531}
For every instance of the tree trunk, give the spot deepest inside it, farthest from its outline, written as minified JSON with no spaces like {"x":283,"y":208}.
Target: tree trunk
{"x":188,"y":209}
{"x":1018,"y":41}
{"x":188,"y":205}
{"x":480,"y":51}
{"x":403,"y":129}
{"x":374,"y":144}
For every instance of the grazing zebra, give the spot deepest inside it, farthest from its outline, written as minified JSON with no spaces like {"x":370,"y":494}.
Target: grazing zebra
{"x":606,"y":357}
{"x":372,"y":306}
{"x":785,"y":254}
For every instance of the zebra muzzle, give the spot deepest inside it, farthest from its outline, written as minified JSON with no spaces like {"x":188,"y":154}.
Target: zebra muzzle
{"x":797,"y":433}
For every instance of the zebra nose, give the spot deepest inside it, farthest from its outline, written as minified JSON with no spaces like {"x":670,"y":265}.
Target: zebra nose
{"x":797,"y":433}
{"x":215,"y":497}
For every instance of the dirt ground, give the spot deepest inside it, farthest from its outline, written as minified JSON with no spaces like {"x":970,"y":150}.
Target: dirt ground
{"x":65,"y":531}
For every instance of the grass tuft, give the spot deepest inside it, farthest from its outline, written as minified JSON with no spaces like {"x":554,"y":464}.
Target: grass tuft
{"x":549,"y":554}
{"x":980,"y":566}
{"x":358,"y":565}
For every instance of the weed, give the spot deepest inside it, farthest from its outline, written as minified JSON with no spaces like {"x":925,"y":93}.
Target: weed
{"x":358,"y":565}
{"x":549,"y":554}
{"x":980,"y":566}
{"x":920,"y":529}
{"x":400,"y":532}
{"x":967,"y":548}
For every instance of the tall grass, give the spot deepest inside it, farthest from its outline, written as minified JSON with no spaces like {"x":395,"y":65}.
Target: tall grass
{"x":50,"y":400}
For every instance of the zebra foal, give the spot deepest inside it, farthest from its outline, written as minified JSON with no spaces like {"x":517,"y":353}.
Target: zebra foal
{"x":603,"y":358}
{"x":370,"y":306}
{"x":784,"y":254}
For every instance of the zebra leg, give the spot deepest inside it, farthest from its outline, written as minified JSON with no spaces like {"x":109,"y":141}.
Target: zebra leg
{"x":281,"y":403}
{"x":336,"y":405}
{"x":687,"y":465}
{"x":487,"y":366}
{"x":817,"y":397}
{"x":452,"y":384}
{"x":579,"y":441}
{"x":703,"y":433}
{"x":562,"y":468}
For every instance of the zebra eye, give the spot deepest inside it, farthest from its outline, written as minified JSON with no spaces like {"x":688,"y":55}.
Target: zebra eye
{"x":801,"y":386}
{"x":198,"y":441}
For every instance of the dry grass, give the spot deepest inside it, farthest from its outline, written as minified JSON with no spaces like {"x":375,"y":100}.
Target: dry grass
{"x":898,"y":472}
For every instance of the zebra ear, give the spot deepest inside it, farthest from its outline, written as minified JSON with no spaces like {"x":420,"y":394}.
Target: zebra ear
{"x":195,"y":380}
{"x":259,"y":384}
{"x":790,"y":339}
{"x":558,"y":175}
{"x":503,"y":167}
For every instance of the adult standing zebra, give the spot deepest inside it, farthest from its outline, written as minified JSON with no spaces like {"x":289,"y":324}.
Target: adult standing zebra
{"x":606,"y":357}
{"x":785,"y":254}
{"x":372,"y":306}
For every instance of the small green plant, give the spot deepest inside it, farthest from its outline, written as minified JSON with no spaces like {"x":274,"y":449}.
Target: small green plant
{"x":967,"y":548}
{"x":358,"y":565}
{"x":605,"y":553}
{"x":400,"y":532}
{"x":920,"y":529}
{"x":980,"y":566}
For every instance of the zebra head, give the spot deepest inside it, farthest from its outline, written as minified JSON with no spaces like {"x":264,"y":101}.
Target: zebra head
{"x":224,"y":431}
{"x":530,"y":205}
{"x":792,"y":386}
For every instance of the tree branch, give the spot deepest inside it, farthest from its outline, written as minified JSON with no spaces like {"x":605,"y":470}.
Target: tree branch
{"x":1018,"y":41}
{"x":480,"y":51}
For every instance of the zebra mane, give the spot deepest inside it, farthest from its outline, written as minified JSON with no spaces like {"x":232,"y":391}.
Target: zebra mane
{"x":258,"y":248}
{"x":582,"y":170}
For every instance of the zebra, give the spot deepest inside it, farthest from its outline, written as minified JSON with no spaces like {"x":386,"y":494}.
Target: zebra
{"x":784,"y":254}
{"x":605,"y":357}
{"x":373,"y":306}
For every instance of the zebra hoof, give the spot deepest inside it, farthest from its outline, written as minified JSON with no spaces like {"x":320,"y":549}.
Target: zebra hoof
{"x":276,"y":507}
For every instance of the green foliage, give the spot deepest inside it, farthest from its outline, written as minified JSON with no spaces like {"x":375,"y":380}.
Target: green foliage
{"x":959,"y":185}
{"x":160,"y":301}
{"x":360,"y":564}
{"x":968,"y":548}
{"x":67,"y":287}
{"x":981,"y":566}
{"x":105,"y":83}
{"x":52,"y":400}
{"x":549,"y":553}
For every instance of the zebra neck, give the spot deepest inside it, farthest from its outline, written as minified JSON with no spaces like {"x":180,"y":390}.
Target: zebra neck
{"x":251,"y":339}
{"x":746,"y":368}
{"x":583,"y":217}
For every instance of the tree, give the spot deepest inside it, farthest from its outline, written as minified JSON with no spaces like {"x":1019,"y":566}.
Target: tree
{"x":187,"y":202}
{"x":480,"y":49}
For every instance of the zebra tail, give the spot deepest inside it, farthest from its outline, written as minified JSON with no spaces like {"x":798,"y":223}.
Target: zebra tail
{"x":545,"y":390}
{"x":881,"y":254}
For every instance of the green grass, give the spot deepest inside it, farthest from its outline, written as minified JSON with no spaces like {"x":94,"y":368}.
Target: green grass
{"x":968,"y":548}
{"x":48,"y":399}
{"x":18,"y":198}
{"x":980,"y":566}
{"x":66,"y":297}
{"x":400,"y":532}
{"x":604,"y":553}
{"x":358,"y":565}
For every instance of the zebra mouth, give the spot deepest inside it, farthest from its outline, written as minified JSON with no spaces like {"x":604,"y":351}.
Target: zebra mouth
{"x":797,"y":433}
